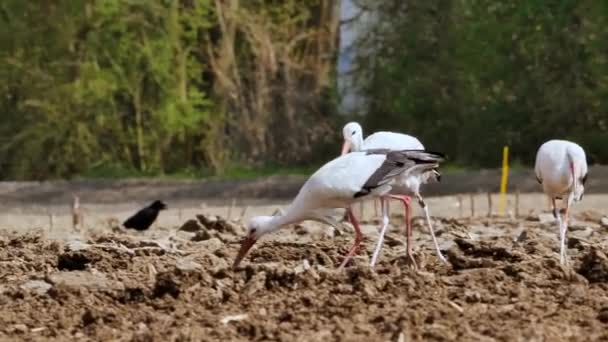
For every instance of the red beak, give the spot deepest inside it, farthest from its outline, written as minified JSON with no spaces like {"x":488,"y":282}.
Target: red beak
{"x":346,"y":147}
{"x":245,"y":247}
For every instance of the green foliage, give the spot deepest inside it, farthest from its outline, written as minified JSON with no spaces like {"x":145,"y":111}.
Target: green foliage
{"x":470,"y":76}
{"x":132,"y":87}
{"x":197,"y":88}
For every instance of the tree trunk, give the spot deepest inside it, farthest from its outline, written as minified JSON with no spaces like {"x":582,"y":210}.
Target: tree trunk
{"x":139,"y":129}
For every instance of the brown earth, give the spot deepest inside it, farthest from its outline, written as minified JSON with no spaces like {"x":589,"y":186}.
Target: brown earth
{"x":503,"y":282}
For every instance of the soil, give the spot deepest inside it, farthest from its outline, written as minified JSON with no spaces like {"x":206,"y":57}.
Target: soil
{"x":503,"y":282}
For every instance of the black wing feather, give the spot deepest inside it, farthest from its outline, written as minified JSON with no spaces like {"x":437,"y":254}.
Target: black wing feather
{"x":396,"y":163}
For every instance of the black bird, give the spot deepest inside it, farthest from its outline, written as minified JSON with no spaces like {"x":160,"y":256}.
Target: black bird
{"x":144,"y":218}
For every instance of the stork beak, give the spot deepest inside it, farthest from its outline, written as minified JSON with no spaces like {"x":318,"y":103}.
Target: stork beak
{"x":346,"y":147}
{"x":246,"y":245}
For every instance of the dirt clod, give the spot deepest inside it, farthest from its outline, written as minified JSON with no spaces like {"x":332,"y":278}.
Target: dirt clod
{"x":166,"y":284}
{"x":201,"y":235}
{"x":75,"y":260}
{"x":594,"y":266}
{"x":83,"y":279}
{"x":191,"y":226}
{"x":39,"y":287}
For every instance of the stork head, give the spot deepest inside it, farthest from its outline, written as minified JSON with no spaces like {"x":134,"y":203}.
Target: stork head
{"x":256,"y":227}
{"x":353,"y":137}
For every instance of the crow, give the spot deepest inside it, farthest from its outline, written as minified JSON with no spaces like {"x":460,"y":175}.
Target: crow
{"x":144,"y":218}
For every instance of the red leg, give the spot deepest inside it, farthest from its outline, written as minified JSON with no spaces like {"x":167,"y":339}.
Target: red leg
{"x":407,"y":201}
{"x":358,"y":238}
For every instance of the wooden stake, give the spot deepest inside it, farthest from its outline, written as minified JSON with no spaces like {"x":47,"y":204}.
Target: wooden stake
{"x":361,"y":206}
{"x":243,"y":212}
{"x":489,"y":204}
{"x":375,"y":208}
{"x":230,"y":209}
{"x":517,"y":203}
{"x":76,"y":215}
{"x":51,"y":222}
{"x":460,"y":206}
{"x":472,"y":201}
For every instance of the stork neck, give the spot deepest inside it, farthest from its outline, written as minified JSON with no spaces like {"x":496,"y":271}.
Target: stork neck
{"x":294,"y":213}
{"x":357,"y":143}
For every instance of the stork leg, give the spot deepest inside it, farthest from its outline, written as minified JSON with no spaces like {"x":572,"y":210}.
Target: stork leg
{"x":562,"y":232}
{"x":358,"y":238}
{"x":385,"y":219}
{"x":563,"y":257}
{"x":563,"y":226}
{"x":428,"y":222}
{"x":407,"y":201}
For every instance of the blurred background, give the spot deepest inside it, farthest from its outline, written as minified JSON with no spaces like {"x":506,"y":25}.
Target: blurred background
{"x":195,"y":88}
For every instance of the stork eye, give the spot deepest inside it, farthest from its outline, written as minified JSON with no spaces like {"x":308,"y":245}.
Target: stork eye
{"x":252,"y":231}
{"x":353,"y":133}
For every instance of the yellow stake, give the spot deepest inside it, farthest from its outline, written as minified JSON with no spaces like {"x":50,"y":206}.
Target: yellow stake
{"x":503,"y":180}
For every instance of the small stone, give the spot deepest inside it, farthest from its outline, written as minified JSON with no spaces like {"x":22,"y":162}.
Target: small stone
{"x":256,"y":283}
{"x":234,"y":318}
{"x":314,"y":274}
{"x":187,"y":265}
{"x":84,"y":279}
{"x":77,"y":245}
{"x":369,"y":290}
{"x":522,"y":237}
{"x":304,"y":266}
{"x":142,"y":327}
{"x":39,"y":287}
{"x":604,"y":222}
{"x":217,"y":264}
{"x":20,"y":328}
{"x":369,"y":230}
{"x":472,"y":296}
{"x":211,"y":245}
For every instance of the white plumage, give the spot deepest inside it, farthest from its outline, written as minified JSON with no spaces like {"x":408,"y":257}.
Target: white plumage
{"x":383,"y":139}
{"x":405,"y":185}
{"x":338,"y":184}
{"x":353,"y":139}
{"x":561,"y":168}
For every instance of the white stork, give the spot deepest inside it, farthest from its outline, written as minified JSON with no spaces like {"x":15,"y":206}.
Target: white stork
{"x":405,"y":186}
{"x":338,"y":184}
{"x":561,"y":168}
